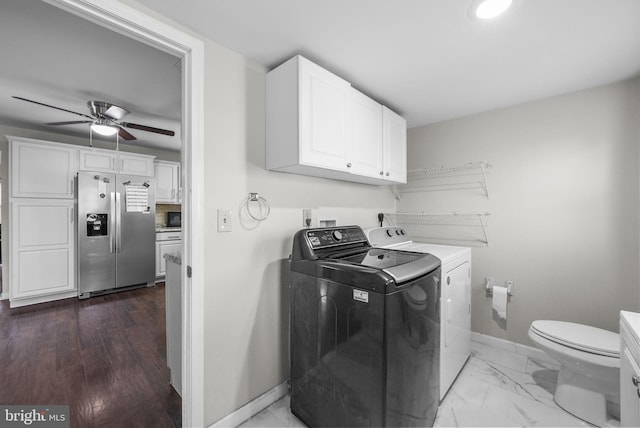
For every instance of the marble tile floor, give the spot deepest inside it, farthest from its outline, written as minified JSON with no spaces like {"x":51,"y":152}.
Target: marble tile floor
{"x":496,"y":388}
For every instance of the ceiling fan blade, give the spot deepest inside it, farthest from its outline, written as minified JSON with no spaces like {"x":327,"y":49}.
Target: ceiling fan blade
{"x":57,"y":108}
{"x":73,"y":122}
{"x":115,"y":112}
{"x":124,"y":134}
{"x":147,"y":128}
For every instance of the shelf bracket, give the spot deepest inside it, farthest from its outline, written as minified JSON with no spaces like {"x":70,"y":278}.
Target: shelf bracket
{"x":484,"y":180}
{"x":394,"y":190}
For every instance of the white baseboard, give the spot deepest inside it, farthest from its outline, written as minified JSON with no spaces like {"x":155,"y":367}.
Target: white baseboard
{"x":4,"y":296}
{"x":518,"y":348}
{"x":253,"y":407}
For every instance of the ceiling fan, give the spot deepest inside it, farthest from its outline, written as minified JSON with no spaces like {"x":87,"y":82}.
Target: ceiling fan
{"x":104,"y":119}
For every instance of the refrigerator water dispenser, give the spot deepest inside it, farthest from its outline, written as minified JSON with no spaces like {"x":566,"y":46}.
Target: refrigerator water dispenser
{"x":97,"y":225}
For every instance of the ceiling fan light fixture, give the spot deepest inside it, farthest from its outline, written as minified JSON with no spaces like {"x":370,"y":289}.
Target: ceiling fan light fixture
{"x":102,"y":128}
{"x":489,"y":9}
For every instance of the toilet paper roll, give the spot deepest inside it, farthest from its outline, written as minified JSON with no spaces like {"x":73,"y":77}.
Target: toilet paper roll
{"x":500,"y":301}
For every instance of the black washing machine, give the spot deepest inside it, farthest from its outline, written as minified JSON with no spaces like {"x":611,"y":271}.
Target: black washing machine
{"x":365,"y":332}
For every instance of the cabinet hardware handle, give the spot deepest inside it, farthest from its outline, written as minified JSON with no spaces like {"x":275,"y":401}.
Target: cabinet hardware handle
{"x":381,"y":172}
{"x":635,"y":379}
{"x":349,"y":165}
{"x":387,"y":173}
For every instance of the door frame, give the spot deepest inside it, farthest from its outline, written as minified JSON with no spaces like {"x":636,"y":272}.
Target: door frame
{"x":137,"y":25}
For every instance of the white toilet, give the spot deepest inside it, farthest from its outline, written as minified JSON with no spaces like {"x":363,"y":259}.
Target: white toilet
{"x":590,"y":366}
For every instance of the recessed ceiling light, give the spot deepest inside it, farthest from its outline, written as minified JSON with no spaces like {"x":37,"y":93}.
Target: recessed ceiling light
{"x":488,"y":9}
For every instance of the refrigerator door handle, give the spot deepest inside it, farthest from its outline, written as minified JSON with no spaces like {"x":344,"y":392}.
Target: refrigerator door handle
{"x":112,"y":223}
{"x":118,"y":223}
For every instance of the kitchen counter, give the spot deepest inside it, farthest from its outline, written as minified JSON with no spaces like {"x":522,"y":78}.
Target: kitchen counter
{"x":631,"y":320}
{"x":168,"y":229}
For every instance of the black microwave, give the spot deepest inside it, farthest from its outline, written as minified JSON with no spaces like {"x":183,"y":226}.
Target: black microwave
{"x":174,"y":219}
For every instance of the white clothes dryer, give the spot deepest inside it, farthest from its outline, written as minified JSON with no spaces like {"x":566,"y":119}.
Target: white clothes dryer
{"x":455,"y":300}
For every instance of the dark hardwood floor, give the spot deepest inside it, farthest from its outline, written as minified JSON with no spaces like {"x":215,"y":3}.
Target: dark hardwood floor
{"x":105,"y":357}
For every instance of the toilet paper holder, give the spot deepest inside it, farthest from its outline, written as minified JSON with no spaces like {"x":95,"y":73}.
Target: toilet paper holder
{"x":490,"y":283}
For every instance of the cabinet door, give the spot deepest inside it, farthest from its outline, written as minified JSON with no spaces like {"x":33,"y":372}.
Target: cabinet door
{"x":162,"y":248}
{"x":167,"y":186}
{"x":394,"y":131}
{"x":97,"y":160}
{"x":132,"y":164}
{"x":629,"y":396}
{"x":42,"y":247}
{"x":364,"y":150}
{"x":323,"y":107}
{"x":42,"y":170}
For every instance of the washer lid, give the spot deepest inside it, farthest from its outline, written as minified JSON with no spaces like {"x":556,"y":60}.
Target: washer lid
{"x":579,"y":336}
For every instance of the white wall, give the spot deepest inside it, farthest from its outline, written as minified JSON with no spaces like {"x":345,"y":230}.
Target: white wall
{"x":246,"y":271}
{"x":247,"y":275}
{"x":564,"y":203}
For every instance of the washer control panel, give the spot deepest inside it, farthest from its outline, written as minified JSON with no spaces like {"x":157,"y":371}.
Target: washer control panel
{"x":332,"y":236}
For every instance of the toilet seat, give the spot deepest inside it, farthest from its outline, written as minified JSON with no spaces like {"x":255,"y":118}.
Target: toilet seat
{"x":580,"y":337}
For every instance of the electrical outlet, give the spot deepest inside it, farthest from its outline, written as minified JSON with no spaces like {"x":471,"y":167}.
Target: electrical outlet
{"x":224,"y":221}
{"x":307,"y":217}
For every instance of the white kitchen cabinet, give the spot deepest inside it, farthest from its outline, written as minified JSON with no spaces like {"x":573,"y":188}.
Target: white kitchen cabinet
{"x":41,"y":169}
{"x":167,"y":176}
{"x":629,"y":369}
{"x":306,"y":119}
{"x":97,"y":160}
{"x":394,"y":137}
{"x":42,"y":246}
{"x":365,"y":150}
{"x":318,"y":125}
{"x":101,"y":160}
{"x":134,"y":164}
{"x":166,"y":242}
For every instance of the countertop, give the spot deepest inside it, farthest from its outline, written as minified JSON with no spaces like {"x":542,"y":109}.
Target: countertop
{"x":631,"y":320}
{"x":168,"y":229}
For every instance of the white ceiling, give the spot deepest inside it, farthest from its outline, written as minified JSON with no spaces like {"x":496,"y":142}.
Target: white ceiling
{"x":426,"y":59}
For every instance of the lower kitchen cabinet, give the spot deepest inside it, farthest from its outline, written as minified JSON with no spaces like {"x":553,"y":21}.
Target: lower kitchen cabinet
{"x":42,"y":240}
{"x":166,"y":242}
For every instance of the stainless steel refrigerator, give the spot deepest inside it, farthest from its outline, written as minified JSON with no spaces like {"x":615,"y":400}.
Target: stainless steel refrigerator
{"x":116,"y":231}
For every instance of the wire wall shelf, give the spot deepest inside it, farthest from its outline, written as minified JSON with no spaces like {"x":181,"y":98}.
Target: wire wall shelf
{"x":446,"y":228}
{"x":472,"y":175}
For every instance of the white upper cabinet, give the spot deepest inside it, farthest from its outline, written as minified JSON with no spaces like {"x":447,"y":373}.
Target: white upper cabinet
{"x":394,"y":136}
{"x":134,"y":164}
{"x":100,"y":160}
{"x":40,"y":169}
{"x":167,"y":182}
{"x":318,"y":125}
{"x":365,"y":152}
{"x":324,"y":99}
{"x":306,"y":118}
{"x":97,"y":160}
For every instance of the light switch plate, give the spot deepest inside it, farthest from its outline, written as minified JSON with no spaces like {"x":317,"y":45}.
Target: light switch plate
{"x":224,"y":221}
